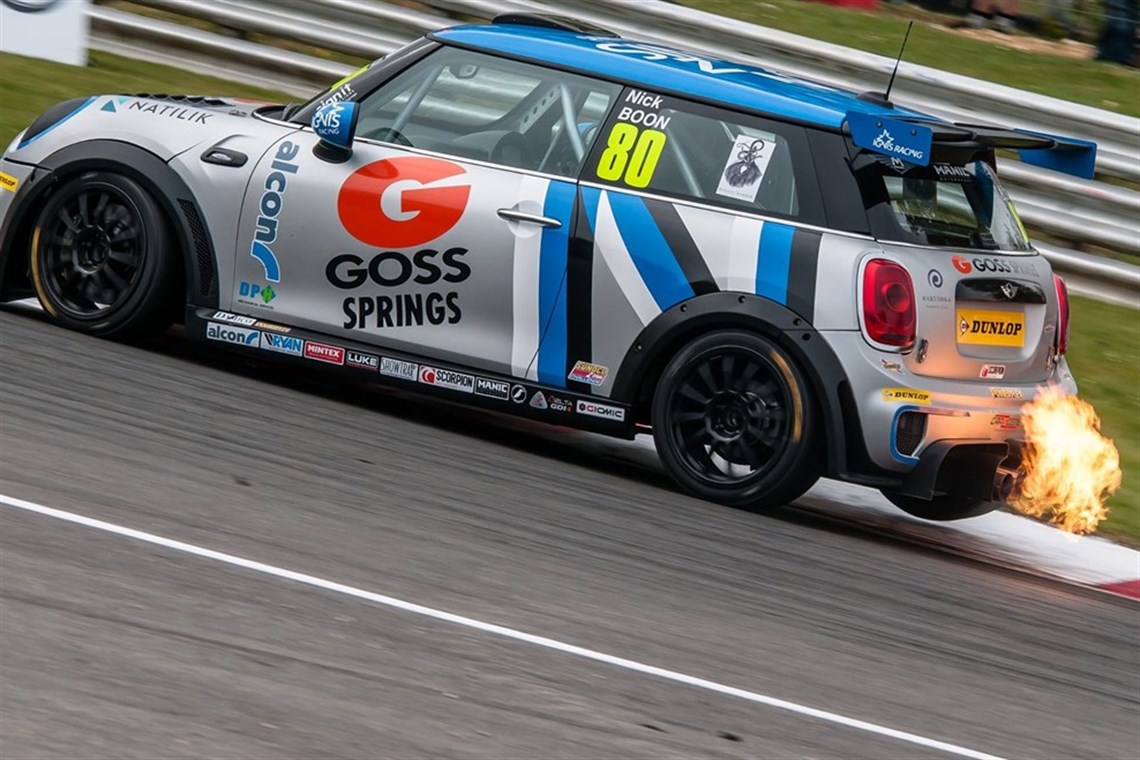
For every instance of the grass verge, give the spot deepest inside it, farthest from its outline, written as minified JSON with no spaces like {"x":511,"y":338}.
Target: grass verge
{"x":1105,"y":352}
{"x":1101,"y":85}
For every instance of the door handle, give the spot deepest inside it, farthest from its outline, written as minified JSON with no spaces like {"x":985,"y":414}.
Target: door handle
{"x":514,"y":215}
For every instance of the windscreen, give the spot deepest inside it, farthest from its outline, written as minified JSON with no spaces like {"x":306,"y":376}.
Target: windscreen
{"x":962,"y":206}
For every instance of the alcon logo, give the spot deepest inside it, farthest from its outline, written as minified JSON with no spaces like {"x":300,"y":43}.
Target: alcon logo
{"x":269,"y":208}
{"x":402,"y":202}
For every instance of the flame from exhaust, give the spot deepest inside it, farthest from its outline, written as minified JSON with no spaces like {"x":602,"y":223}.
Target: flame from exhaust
{"x":1071,"y":469}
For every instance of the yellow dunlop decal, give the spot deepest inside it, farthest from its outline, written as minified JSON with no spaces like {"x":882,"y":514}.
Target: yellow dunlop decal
{"x":8,"y":182}
{"x":906,"y":396}
{"x":981,"y":327}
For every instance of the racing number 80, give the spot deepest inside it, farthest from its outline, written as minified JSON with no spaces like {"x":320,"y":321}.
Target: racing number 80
{"x":646,"y":146}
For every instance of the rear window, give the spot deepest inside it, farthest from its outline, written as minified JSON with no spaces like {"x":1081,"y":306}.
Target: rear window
{"x":961,"y":206}
{"x":674,"y":147}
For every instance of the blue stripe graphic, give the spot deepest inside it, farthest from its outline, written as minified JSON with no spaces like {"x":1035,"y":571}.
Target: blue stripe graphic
{"x":30,"y":140}
{"x":774,"y":261}
{"x":552,"y":264}
{"x":590,"y":198}
{"x":650,"y":251}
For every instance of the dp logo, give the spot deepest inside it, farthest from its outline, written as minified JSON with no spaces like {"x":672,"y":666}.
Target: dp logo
{"x":402,"y":202}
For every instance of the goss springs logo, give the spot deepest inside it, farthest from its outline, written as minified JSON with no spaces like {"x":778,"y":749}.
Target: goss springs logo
{"x":269,"y":207}
{"x":886,"y":141}
{"x":402,"y":203}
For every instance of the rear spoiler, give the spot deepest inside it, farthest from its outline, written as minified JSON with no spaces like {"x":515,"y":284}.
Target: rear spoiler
{"x":921,"y":142}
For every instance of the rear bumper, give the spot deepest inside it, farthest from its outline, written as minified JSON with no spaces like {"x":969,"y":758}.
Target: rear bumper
{"x":979,"y":469}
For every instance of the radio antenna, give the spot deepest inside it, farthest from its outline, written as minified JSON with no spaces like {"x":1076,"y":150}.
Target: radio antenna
{"x":902,"y":48}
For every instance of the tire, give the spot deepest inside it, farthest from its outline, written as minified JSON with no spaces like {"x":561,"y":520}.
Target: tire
{"x":735,"y":423}
{"x":103,"y":259}
{"x":941,"y":508}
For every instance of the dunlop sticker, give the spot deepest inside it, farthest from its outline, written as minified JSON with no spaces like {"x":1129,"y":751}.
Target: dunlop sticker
{"x":981,"y":327}
{"x":906,"y":396}
{"x":8,"y":182}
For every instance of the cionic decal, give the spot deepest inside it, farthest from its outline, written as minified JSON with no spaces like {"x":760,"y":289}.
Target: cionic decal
{"x":604,"y":411}
{"x":269,"y":208}
{"x":403,"y":202}
{"x":227,"y":334}
{"x":907,"y":396}
{"x":992,"y":372}
{"x":322,"y":352}
{"x":282,"y":344}
{"x":399,"y":369}
{"x":591,"y":374}
{"x":394,"y":269}
{"x":234,"y":319}
{"x":362,"y":360}
{"x":445,"y":378}
{"x":492,"y":388}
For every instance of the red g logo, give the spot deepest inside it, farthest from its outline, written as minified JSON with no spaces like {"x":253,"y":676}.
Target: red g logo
{"x":402,"y":202}
{"x":961,"y":264}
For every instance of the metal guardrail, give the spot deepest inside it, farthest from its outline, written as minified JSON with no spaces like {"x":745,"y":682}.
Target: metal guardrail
{"x":1087,"y":213}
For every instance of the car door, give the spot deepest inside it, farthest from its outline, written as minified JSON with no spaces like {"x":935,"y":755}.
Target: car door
{"x":445,"y":232}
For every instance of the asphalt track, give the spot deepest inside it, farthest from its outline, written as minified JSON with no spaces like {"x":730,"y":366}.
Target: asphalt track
{"x":111,"y":647}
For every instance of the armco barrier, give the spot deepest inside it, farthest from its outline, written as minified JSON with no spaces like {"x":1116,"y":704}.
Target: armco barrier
{"x":1079,"y":212}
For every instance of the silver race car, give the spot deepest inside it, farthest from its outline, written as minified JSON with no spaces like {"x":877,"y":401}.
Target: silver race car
{"x":779,"y":279}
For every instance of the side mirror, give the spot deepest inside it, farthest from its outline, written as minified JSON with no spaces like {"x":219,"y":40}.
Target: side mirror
{"x":335,"y":125}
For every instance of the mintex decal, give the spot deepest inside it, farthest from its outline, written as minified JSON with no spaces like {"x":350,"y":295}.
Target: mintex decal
{"x":269,"y":207}
{"x":584,"y":372}
{"x":906,"y":396}
{"x":403,"y":202}
{"x":445,"y":378}
{"x":605,"y":411}
{"x":745,"y":168}
{"x":324,"y":353}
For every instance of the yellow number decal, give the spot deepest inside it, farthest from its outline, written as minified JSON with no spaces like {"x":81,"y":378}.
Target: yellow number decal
{"x":637,"y":168}
{"x":616,"y":155}
{"x":645,"y":156}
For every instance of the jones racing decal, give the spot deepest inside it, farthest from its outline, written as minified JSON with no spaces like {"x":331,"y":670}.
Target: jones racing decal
{"x":269,"y":208}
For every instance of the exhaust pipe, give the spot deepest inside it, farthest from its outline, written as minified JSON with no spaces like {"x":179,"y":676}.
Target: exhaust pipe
{"x":1007,"y":484}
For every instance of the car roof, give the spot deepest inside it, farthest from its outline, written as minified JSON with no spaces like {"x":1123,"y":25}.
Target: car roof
{"x":654,"y":67}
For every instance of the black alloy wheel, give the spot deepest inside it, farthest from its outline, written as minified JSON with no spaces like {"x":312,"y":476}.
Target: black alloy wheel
{"x":102,"y":259}
{"x":734,"y":421}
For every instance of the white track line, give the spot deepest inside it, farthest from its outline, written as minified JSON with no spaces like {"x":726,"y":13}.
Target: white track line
{"x":498,"y":630}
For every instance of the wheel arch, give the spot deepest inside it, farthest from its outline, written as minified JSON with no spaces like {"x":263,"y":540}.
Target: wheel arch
{"x":645,"y":361}
{"x":174,"y":197}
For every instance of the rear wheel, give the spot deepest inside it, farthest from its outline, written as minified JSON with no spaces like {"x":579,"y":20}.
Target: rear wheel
{"x":734,"y":422}
{"x":941,"y":508}
{"x":103,"y":259}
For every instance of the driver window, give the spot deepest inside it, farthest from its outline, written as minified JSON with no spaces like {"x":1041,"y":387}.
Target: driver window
{"x":471,"y":105}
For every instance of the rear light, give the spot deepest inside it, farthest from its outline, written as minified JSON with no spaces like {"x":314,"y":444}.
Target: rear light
{"x":889,"y":315}
{"x":1062,"y":315}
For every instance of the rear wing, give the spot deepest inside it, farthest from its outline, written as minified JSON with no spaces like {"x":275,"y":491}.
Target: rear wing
{"x":923,"y":142}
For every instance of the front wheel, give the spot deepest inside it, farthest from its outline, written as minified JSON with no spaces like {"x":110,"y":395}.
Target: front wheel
{"x":734,"y":422}
{"x":941,"y":508}
{"x":103,"y":260}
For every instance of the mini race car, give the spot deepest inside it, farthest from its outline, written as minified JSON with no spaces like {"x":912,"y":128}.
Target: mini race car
{"x":781,"y":280}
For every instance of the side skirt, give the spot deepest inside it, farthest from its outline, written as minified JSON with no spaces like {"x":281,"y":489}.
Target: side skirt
{"x":273,"y":341}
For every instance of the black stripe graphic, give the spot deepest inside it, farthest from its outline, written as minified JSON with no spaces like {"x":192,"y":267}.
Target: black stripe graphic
{"x":802,"y":273}
{"x":684,"y":247}
{"x":579,"y":295}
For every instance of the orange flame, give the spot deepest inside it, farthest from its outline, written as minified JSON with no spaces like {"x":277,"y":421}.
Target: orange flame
{"x":1071,"y":469}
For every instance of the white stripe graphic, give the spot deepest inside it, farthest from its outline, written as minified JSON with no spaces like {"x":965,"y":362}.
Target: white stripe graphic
{"x":712,"y":233}
{"x":497,"y":630}
{"x":744,"y":253}
{"x":608,"y":242}
{"x":527,"y":322}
